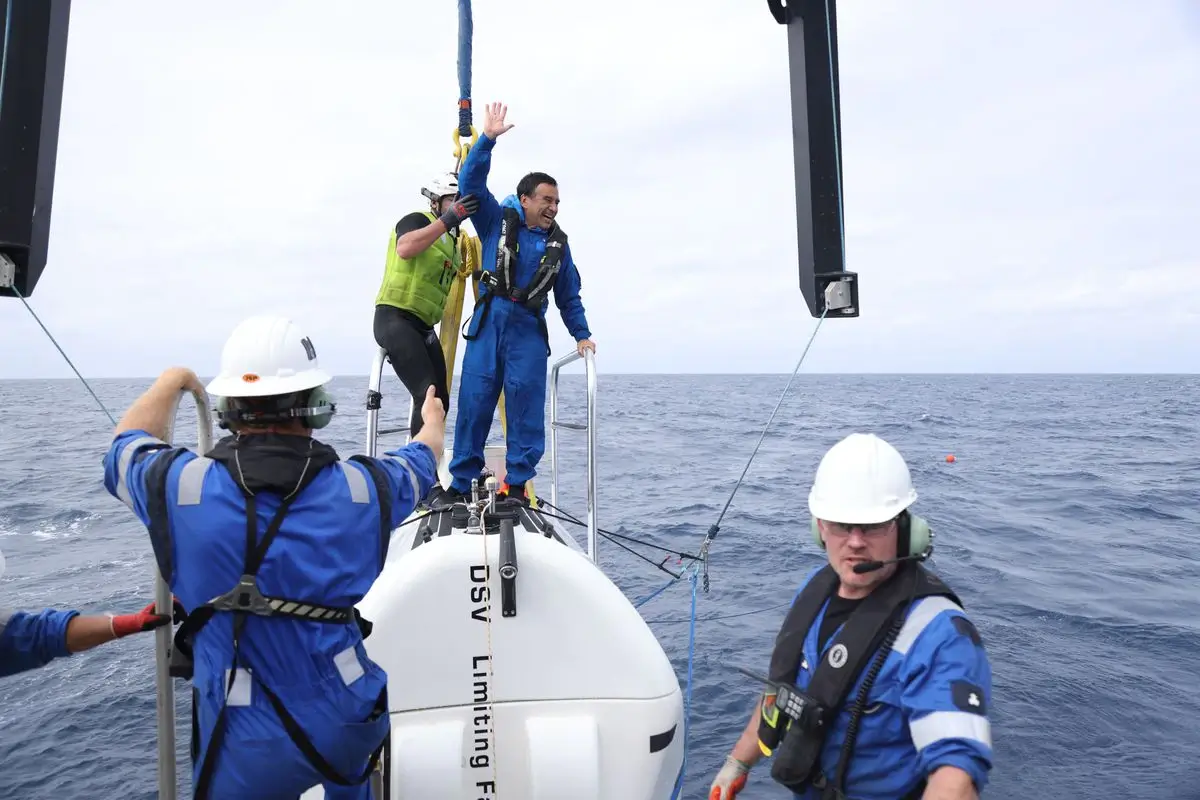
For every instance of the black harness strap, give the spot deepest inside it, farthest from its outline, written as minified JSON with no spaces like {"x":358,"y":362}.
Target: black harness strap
{"x":484,"y":302}
{"x":157,"y":514}
{"x":501,"y":284}
{"x":244,"y":599}
{"x":547,"y":271}
{"x":789,"y":642}
{"x":181,"y":665}
{"x":240,"y":605}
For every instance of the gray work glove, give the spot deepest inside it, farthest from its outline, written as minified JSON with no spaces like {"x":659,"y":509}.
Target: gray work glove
{"x":730,"y":780}
{"x":463,"y":207}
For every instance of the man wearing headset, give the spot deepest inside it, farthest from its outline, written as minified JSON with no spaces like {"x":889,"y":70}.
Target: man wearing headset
{"x":268,"y":541}
{"x":879,"y":684}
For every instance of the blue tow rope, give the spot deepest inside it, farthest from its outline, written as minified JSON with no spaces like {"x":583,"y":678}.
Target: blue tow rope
{"x":693,"y":576}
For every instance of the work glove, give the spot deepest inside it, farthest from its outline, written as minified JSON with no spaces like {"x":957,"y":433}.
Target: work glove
{"x":462,"y":208}
{"x":730,"y":780}
{"x":145,"y":620}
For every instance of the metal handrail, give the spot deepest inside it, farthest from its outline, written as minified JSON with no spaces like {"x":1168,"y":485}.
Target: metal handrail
{"x":163,"y":636}
{"x":589,"y":357}
{"x":373,"y":383}
{"x":590,"y":365}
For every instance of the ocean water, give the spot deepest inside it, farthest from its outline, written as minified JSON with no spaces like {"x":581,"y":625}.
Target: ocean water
{"x":1067,"y":524}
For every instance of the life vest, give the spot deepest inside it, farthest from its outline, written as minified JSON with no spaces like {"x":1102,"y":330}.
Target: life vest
{"x":420,"y":284}
{"x":245,"y":598}
{"x":870,"y":631}
{"x":500,"y":283}
{"x":533,"y":295}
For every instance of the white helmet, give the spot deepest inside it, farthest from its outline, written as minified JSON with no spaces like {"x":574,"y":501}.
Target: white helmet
{"x":267,"y":356}
{"x":861,"y":480}
{"x":439,"y":187}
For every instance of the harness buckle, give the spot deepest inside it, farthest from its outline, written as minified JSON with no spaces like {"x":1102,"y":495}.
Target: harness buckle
{"x":244,"y":597}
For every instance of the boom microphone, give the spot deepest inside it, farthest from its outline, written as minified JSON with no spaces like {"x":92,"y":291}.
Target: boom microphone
{"x":871,"y":566}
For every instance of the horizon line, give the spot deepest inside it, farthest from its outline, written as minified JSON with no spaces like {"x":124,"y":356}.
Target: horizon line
{"x":458,"y":375}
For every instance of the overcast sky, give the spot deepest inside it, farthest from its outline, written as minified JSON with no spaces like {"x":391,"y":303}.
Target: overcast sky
{"x":1021,"y":179}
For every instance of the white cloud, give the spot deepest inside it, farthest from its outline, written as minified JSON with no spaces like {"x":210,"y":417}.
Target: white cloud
{"x":1020,"y":179}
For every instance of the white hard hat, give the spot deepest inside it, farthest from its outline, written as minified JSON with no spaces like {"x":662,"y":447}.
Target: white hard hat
{"x":861,"y":480}
{"x":442,"y":185}
{"x":266,"y":356}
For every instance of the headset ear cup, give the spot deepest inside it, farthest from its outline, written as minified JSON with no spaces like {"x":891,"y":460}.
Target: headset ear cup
{"x":221,"y":408}
{"x":816,"y":533}
{"x":320,"y":399}
{"x":919,"y":535}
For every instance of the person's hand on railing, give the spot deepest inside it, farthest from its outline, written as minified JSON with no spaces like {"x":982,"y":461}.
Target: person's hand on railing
{"x":186,"y":380}
{"x":147,"y":619}
{"x":585,"y":344}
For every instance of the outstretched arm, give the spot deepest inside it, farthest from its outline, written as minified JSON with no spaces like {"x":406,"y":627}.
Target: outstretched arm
{"x":138,"y":449}
{"x":29,"y":641}
{"x":746,"y":748}
{"x":746,"y":752}
{"x":472,"y":176}
{"x":472,"y":180}
{"x":412,"y":470}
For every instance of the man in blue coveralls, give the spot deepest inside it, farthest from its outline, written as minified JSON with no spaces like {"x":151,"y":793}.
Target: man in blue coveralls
{"x":269,"y":540}
{"x":32,"y":640}
{"x":894,"y":678}
{"x":525,"y":256}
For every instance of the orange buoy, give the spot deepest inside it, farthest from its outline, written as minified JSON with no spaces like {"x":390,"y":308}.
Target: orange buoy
{"x":950,"y":459}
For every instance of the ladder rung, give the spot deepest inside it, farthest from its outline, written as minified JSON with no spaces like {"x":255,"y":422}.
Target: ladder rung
{"x":387,"y":431}
{"x":575,"y":426}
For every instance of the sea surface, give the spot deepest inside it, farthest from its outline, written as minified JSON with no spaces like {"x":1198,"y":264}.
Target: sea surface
{"x":1068,"y":522}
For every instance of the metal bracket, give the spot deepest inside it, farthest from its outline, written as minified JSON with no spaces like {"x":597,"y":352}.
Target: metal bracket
{"x":780,"y":10}
{"x":840,"y":292}
{"x":8,"y":272}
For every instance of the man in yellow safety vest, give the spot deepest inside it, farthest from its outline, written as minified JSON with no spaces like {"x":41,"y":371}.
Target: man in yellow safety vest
{"x":422,"y":260}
